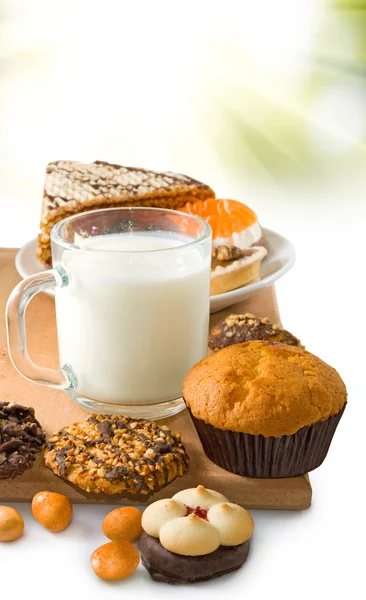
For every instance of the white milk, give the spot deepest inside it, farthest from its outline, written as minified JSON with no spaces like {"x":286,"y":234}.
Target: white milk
{"x":131,"y":325}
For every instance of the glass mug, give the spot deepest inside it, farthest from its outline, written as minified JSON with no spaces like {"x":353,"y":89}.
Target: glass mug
{"x":132,"y":295}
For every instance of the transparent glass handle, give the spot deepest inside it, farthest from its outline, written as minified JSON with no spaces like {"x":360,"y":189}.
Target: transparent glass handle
{"x":16,"y":330}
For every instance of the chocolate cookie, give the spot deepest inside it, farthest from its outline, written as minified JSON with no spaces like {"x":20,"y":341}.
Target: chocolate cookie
{"x":236,"y":329}
{"x":173,"y":568}
{"x":113,"y":454}
{"x":21,"y":438}
{"x":196,"y":535}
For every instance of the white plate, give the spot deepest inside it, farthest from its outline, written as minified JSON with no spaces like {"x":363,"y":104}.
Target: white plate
{"x":280,"y":259}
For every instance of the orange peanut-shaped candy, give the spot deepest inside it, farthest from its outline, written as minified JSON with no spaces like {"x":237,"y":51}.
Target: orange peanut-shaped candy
{"x":123,"y":524}
{"x":115,"y":560}
{"x":11,"y":524}
{"x":52,"y":510}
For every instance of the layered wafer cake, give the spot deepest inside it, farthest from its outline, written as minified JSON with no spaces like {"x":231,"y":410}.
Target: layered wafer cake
{"x":74,"y":187}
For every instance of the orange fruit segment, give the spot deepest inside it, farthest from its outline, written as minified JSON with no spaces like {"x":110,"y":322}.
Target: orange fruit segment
{"x":224,"y":216}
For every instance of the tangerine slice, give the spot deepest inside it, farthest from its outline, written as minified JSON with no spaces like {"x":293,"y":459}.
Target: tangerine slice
{"x":224,"y":216}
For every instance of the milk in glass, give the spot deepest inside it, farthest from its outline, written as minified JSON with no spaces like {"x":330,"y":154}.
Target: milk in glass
{"x":133,"y":318}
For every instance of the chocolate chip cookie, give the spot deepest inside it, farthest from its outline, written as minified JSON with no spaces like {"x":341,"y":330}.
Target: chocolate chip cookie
{"x":114,"y":454}
{"x":21,"y":438}
{"x":236,"y":329}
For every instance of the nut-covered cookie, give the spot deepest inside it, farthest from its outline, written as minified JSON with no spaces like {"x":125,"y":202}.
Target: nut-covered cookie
{"x":21,"y":438}
{"x":235,"y":329}
{"x":114,"y":454}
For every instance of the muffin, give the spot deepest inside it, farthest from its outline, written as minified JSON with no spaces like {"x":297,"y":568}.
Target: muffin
{"x":265,"y":409}
{"x":236,"y":329}
{"x":196,"y":535}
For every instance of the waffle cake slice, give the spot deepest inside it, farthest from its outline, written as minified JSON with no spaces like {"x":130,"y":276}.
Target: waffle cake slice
{"x":73,"y":187}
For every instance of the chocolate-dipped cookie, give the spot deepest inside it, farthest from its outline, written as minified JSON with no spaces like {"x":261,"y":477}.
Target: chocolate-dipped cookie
{"x":168,"y":567}
{"x":235,"y":329}
{"x":194,"y":536}
{"x":21,"y":438}
{"x":114,"y":454}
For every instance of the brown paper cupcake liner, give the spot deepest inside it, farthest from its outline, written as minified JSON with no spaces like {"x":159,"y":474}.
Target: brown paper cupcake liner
{"x":257,"y":456}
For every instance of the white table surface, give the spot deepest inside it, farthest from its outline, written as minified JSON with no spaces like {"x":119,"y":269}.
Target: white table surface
{"x":316,"y":553}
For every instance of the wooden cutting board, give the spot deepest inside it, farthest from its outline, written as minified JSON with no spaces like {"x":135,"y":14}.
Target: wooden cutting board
{"x":54,"y":410}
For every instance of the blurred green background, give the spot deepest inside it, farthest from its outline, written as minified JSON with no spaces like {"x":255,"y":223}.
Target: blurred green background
{"x":295,"y":108}
{"x":251,"y":97}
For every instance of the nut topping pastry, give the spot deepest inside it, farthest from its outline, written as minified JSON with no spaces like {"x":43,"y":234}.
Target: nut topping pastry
{"x":235,"y":329}
{"x":238,"y":242}
{"x":223,"y":253}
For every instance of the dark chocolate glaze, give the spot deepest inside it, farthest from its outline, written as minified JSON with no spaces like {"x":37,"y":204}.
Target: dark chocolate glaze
{"x":174,"y":568}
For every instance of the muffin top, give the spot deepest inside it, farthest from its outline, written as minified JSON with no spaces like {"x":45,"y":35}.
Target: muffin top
{"x":263,"y":387}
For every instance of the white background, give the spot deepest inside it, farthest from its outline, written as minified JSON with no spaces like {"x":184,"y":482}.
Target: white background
{"x":134,"y":88}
